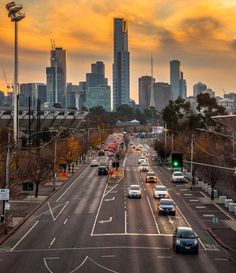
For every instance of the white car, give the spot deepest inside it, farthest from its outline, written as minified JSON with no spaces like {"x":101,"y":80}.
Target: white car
{"x":143,"y":167}
{"x":134,"y":191}
{"x":160,"y":192}
{"x":141,"y":159}
{"x":94,"y":163}
{"x":177,"y":176}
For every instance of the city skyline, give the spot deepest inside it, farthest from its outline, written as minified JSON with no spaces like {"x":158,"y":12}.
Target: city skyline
{"x":200,"y":34}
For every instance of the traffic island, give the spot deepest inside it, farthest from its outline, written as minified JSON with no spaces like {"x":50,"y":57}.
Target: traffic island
{"x":115,"y":176}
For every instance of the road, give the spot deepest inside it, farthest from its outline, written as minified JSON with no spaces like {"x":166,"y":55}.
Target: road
{"x":91,"y":226}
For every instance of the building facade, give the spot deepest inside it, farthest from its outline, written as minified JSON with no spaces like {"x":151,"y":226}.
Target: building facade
{"x":145,"y":90}
{"x":56,"y":77}
{"x":99,"y":96}
{"x":162,"y":95}
{"x":175,"y":79}
{"x":33,"y":91}
{"x":121,"y":64}
{"x":199,"y":88}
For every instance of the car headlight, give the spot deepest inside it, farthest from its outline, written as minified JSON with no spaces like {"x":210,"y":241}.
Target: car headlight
{"x":173,"y":209}
{"x":195,"y":242}
{"x":160,"y":208}
{"x":177,"y":242}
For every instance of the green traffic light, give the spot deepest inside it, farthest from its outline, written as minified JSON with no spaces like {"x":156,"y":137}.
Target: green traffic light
{"x":176,"y":163}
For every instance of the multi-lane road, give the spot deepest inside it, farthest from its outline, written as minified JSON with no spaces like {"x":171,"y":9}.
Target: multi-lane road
{"x":91,"y":226}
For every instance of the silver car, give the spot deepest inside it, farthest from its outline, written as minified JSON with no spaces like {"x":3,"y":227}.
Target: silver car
{"x":134,"y":191}
{"x":160,"y":192}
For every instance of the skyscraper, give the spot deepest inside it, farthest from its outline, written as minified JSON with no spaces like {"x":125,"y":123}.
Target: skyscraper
{"x":175,"y":79}
{"x":183,"y":86}
{"x":145,"y":90}
{"x":121,"y":77}
{"x":56,"y":77}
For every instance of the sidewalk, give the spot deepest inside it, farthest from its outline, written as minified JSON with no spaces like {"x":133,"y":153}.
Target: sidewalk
{"x":23,"y":204}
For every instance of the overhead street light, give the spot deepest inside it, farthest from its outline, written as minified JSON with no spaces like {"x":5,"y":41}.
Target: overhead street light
{"x":16,"y":16}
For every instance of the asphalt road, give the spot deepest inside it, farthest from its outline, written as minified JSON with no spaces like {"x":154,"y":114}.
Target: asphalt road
{"x":90,"y":226}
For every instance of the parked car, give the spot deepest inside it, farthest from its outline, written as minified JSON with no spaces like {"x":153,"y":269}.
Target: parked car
{"x":160,"y":192}
{"x":151,"y":177}
{"x":134,"y":191}
{"x":143,"y":167}
{"x":94,"y":163}
{"x":177,"y":176}
{"x":166,"y":206}
{"x":185,"y":239}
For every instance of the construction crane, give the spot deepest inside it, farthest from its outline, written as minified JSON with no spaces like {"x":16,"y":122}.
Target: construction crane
{"x":8,"y":85}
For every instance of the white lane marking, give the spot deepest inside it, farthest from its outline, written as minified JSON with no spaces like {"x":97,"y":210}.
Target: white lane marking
{"x":220,"y":259}
{"x":200,"y":207}
{"x":52,"y":209}
{"x":105,"y":221}
{"x":183,"y":189}
{"x":188,"y":194}
{"x":193,"y":200}
{"x":224,"y":212}
{"x":170,"y":221}
{"x":110,"y":191}
{"x":52,"y":241}
{"x":108,"y":256}
{"x":164,"y":257}
{"x":125,"y":222}
{"x":95,"y":220}
{"x":111,"y":199}
{"x":52,"y":258}
{"x":24,"y":236}
{"x":80,"y":264}
{"x":158,"y":230}
{"x":55,"y":218}
{"x":65,"y":221}
{"x":208,"y":215}
{"x":46,"y":265}
{"x":93,"y":248}
{"x":71,"y":184}
{"x":124,"y":161}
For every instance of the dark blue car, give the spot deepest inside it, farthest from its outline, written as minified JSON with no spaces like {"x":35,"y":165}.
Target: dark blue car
{"x":166,"y":206}
{"x":185,"y":239}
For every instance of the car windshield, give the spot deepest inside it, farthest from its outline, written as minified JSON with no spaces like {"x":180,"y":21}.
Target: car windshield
{"x":150,"y":174}
{"x":178,"y":174}
{"x":160,"y":188}
{"x":166,"y":202}
{"x":188,"y":234}
{"x":136,"y":188}
{"x":143,"y":163}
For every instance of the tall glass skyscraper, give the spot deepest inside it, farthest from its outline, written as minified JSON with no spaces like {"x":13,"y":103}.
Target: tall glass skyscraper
{"x":121,"y":87}
{"x":175,"y":79}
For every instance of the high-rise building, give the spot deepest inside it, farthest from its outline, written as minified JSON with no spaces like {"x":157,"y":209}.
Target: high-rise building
{"x":199,"y":88}
{"x":175,"y":79}
{"x":72,"y":91}
{"x":33,"y":91}
{"x":183,"y":86}
{"x":145,"y":90}
{"x":2,"y":98}
{"x":121,"y":71}
{"x":98,"y":93}
{"x":56,"y":77}
{"x":162,"y":95}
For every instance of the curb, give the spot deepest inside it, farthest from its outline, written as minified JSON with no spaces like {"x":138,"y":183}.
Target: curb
{"x":216,"y":238}
{"x":35,"y":209}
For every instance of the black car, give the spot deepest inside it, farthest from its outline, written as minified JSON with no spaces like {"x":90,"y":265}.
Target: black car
{"x":166,"y":206}
{"x":102,"y":170}
{"x":185,"y":239}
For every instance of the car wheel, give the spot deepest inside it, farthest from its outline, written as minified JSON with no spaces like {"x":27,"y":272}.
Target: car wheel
{"x":176,"y":249}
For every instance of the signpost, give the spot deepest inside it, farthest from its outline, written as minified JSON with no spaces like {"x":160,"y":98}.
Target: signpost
{"x":4,"y":194}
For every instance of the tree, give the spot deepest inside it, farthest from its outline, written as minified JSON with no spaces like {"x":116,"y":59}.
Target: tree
{"x":125,"y":112}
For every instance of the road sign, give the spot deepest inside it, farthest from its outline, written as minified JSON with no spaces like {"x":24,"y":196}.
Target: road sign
{"x":4,"y":194}
{"x":7,"y":206}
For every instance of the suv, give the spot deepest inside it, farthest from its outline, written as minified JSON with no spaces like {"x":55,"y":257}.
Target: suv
{"x":102,"y":170}
{"x":143,"y":167}
{"x":177,"y":176}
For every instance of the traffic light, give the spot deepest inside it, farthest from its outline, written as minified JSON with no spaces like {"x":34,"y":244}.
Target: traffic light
{"x":122,"y":145}
{"x":177,"y":160}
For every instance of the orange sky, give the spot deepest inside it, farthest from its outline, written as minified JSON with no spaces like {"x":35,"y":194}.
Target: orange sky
{"x":199,"y":33}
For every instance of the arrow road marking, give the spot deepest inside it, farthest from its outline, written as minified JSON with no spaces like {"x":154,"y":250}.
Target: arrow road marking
{"x":106,"y":200}
{"x":105,"y":221}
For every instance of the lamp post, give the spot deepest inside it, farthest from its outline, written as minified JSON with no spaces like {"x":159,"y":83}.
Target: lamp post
{"x":16,"y":16}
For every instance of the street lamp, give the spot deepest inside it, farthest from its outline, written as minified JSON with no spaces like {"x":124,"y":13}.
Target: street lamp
{"x":16,"y":16}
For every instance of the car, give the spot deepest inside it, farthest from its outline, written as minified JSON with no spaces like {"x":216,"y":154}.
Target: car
{"x":143,"y":167}
{"x":94,"y":163}
{"x":166,"y":206}
{"x":101,"y":153}
{"x":134,"y":191}
{"x":160,"y":192}
{"x":102,"y":170}
{"x":141,"y":159}
{"x":185,"y":239}
{"x":151,"y":177}
{"x":177,"y":176}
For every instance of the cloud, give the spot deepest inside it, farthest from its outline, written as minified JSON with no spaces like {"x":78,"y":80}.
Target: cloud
{"x":233,"y":44}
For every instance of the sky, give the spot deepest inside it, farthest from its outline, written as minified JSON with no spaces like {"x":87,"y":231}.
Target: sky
{"x":201,"y":34}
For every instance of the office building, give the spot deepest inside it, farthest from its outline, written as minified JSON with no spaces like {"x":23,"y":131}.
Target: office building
{"x":183,"y":86}
{"x":2,"y":98}
{"x":56,"y":77}
{"x":121,"y":71}
{"x":72,"y":91}
{"x":175,"y":79}
{"x":33,"y":91}
{"x":97,"y":75}
{"x":145,"y":90}
{"x":162,"y":95}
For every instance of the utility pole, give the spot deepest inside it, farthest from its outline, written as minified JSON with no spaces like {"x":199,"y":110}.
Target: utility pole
{"x":191,"y":166}
{"x":54,"y":165}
